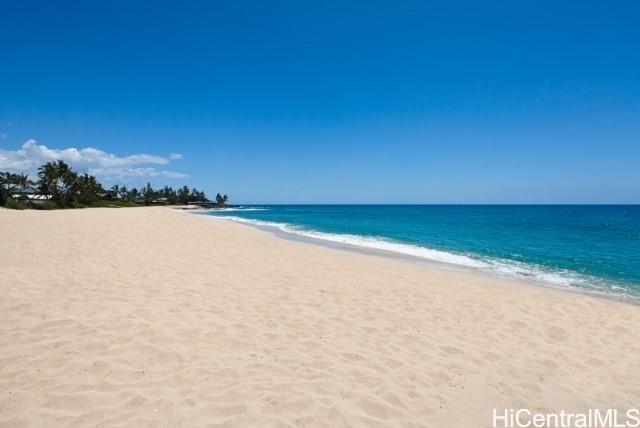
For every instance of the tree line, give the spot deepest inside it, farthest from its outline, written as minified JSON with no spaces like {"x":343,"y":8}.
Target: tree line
{"x":58,"y":186}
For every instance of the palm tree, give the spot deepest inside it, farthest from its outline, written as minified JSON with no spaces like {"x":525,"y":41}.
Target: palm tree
{"x":57,"y":180}
{"x":7,"y":186}
{"x":87,"y":188}
{"x":115,"y":190}
{"x":23,"y":182}
{"x":148,"y":194}
{"x":183,"y":195}
{"x":47,"y":179}
{"x":8,"y":180}
{"x":221,"y":200}
{"x":124,"y":193}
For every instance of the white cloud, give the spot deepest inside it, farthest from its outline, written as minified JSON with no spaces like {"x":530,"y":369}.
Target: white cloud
{"x":119,"y":173}
{"x":104,"y":165}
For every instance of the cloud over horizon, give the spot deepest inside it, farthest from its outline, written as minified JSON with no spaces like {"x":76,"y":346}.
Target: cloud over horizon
{"x":93,"y":161}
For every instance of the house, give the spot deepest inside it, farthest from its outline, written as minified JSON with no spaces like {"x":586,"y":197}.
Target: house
{"x":107,"y":195}
{"x":160,"y":201}
{"x":31,"y":197}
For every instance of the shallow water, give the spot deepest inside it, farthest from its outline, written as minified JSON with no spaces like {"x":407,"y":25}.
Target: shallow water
{"x":593,"y":247}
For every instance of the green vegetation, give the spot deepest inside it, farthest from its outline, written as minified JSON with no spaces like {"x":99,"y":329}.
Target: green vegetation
{"x":221,"y":200}
{"x":58,"y":186}
{"x":114,"y":204}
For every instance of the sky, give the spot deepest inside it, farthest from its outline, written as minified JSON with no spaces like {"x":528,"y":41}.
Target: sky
{"x":332,"y":101}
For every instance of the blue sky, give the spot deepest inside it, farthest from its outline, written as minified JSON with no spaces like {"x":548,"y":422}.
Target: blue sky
{"x":345,"y":102}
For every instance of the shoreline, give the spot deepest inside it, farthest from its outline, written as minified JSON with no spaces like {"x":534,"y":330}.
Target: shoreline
{"x":154,"y":317}
{"x":628,"y":298}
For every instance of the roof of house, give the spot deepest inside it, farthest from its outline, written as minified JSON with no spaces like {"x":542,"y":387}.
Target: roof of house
{"x":32,"y":197}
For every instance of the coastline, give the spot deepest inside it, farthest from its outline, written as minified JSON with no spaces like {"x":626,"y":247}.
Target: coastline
{"x":154,"y":316}
{"x":307,"y":237}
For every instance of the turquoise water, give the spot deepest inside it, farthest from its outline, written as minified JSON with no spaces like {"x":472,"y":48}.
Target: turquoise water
{"x":590,"y":247}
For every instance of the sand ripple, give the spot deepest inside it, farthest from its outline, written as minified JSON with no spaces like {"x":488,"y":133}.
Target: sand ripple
{"x":153,"y":317}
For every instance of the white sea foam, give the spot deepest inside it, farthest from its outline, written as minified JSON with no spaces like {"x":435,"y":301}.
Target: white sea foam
{"x":375,"y":243}
{"x":237,"y":209}
{"x":503,"y":268}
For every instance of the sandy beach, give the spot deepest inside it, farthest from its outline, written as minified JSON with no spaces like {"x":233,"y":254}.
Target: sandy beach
{"x":158,"y":317}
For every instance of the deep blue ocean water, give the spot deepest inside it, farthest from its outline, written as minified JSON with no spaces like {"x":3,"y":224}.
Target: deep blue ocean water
{"x":592,"y":246}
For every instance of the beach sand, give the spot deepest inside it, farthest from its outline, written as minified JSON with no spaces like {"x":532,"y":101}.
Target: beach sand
{"x":157,"y":317}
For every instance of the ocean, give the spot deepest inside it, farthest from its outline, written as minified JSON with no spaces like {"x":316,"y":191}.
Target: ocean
{"x":589,"y":247}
